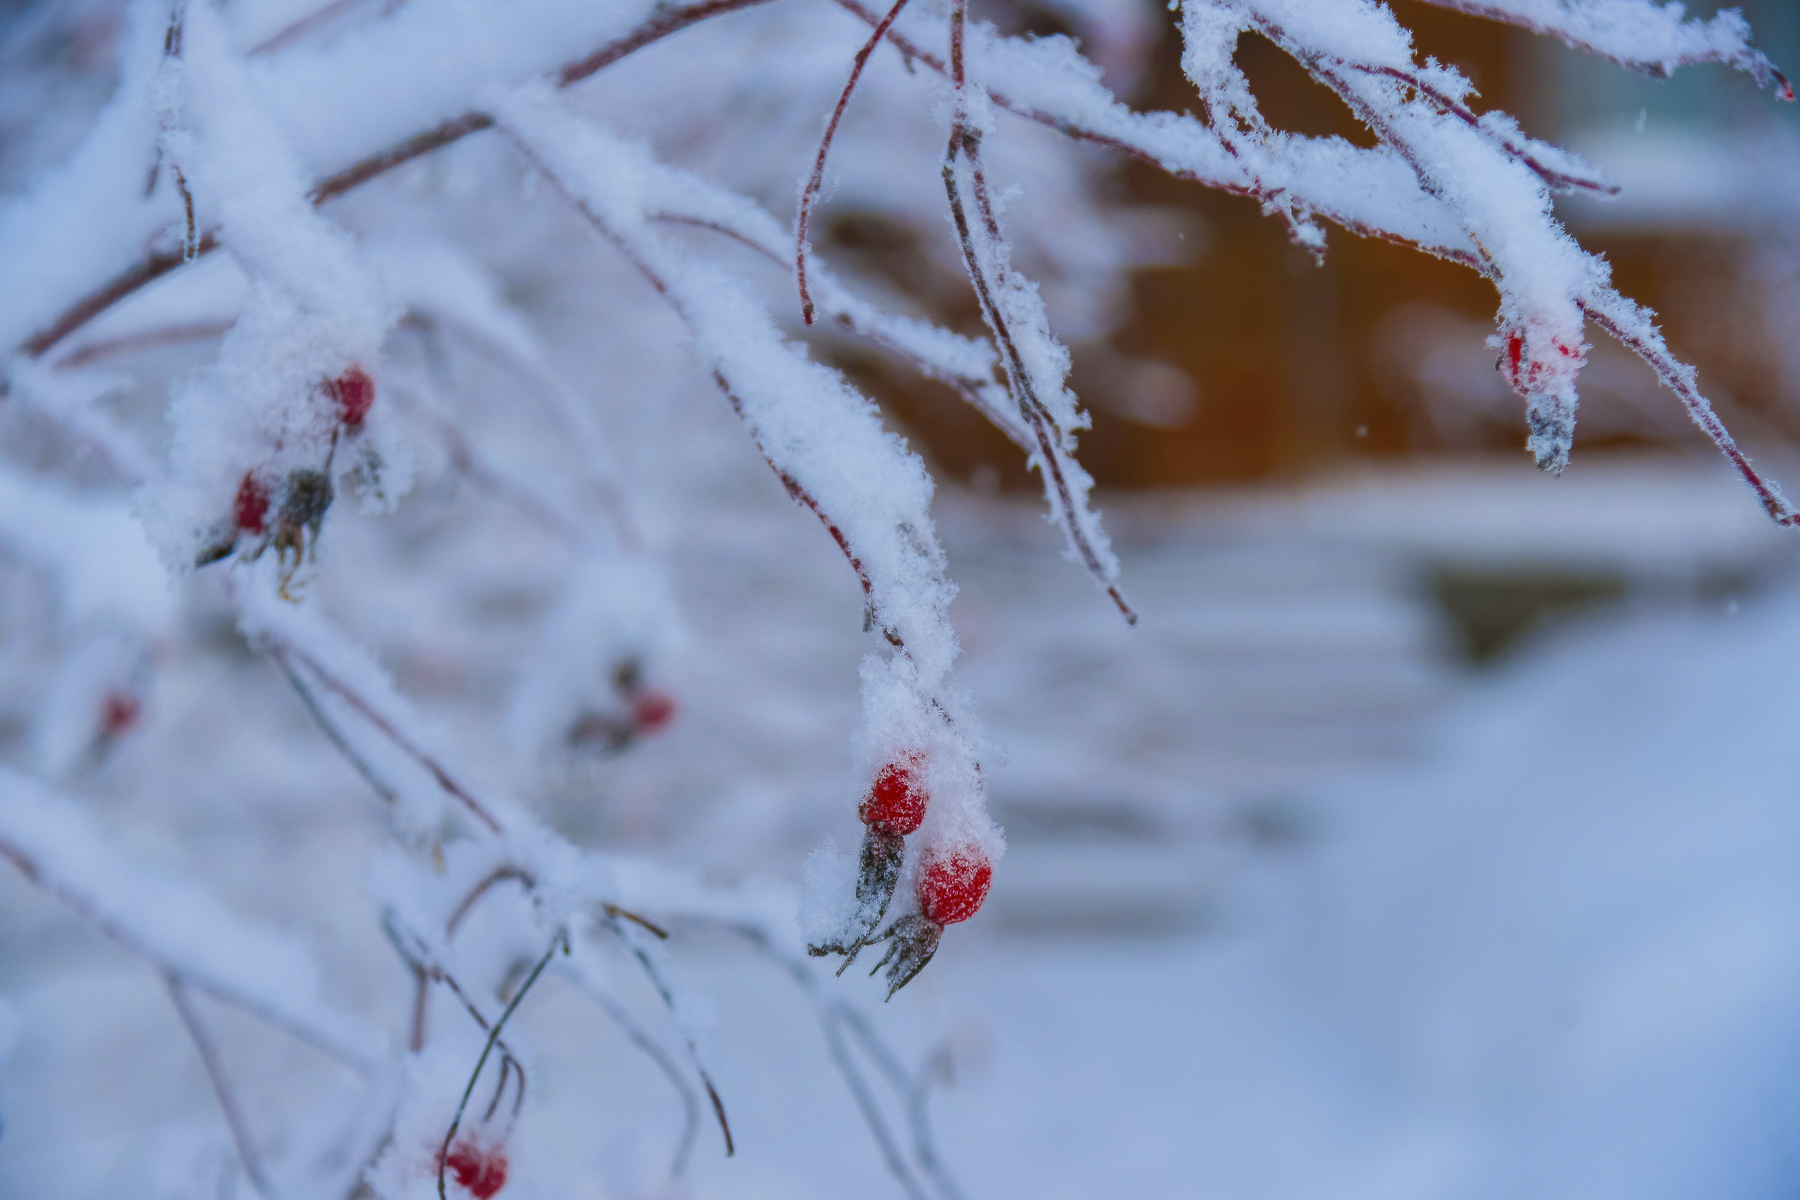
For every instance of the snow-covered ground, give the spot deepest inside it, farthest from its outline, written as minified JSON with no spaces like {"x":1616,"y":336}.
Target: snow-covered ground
{"x":1296,"y":902}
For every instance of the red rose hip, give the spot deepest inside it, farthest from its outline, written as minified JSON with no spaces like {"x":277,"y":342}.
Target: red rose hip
{"x":354,"y":392}
{"x":118,"y":713}
{"x":251,"y":508}
{"x":652,"y":711}
{"x":895,"y":802}
{"x":480,"y":1171}
{"x":952,"y":886}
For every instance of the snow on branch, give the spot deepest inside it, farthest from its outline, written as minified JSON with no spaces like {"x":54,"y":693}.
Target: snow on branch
{"x":1639,"y":34}
{"x":174,"y":924}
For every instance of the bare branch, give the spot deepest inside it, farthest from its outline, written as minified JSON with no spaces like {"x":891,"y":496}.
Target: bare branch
{"x":817,"y":180}
{"x":221,"y":1085}
{"x":285,"y":652}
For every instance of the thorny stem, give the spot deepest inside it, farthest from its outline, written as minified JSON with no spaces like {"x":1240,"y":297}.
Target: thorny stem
{"x":560,"y":940}
{"x":967,"y":142}
{"x":817,"y":179}
{"x":281,"y":650}
{"x":221,"y":1085}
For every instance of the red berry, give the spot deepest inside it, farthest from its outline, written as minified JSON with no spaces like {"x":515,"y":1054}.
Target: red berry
{"x":482,"y":1172}
{"x":896,"y":800}
{"x":952,"y":886}
{"x":354,"y":392}
{"x":652,"y":711}
{"x":118,"y":712}
{"x":251,"y":507}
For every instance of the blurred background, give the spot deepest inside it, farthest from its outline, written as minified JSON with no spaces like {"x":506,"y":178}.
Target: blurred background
{"x":1435,"y":834}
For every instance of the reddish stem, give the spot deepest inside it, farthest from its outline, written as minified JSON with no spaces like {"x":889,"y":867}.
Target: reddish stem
{"x":817,"y":181}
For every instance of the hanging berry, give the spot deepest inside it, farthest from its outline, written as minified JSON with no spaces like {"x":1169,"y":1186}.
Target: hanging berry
{"x":479,"y":1170}
{"x":119,"y":711}
{"x":652,"y":711}
{"x":251,"y":508}
{"x":895,"y":802}
{"x":354,"y":392}
{"x":952,"y":886}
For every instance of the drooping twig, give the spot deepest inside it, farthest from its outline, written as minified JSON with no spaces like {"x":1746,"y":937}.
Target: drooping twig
{"x":834,"y":1017}
{"x":221,"y":1086}
{"x":972,"y":389}
{"x":1615,"y":314}
{"x":667,"y":994}
{"x":965,"y":143}
{"x":816,"y":181}
{"x":499,"y":874}
{"x":654,"y":1050}
{"x":559,"y":941}
{"x":333,"y":733}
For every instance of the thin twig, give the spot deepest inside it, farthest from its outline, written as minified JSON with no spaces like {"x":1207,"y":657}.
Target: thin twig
{"x":219,"y":990}
{"x":499,"y":874}
{"x":221,"y":1085}
{"x":830,"y":1021}
{"x":965,"y":143}
{"x":969,"y":387}
{"x":136,"y":343}
{"x":667,"y":994}
{"x":333,"y":734}
{"x":561,"y":940}
{"x":665,"y":1062}
{"x":279,"y":648}
{"x":817,"y":180}
{"x":1607,"y":310}
{"x":283,"y":38}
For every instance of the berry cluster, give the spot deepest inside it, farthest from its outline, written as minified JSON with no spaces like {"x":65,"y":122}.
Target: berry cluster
{"x":305,"y":493}
{"x":648,"y":711}
{"x":949,"y":885}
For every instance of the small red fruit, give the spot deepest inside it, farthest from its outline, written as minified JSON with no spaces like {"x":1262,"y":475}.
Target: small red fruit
{"x":482,"y":1172}
{"x":118,"y":712}
{"x":896,"y":800}
{"x":952,"y":886}
{"x":652,"y":711}
{"x":251,"y":508}
{"x":354,"y":392}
